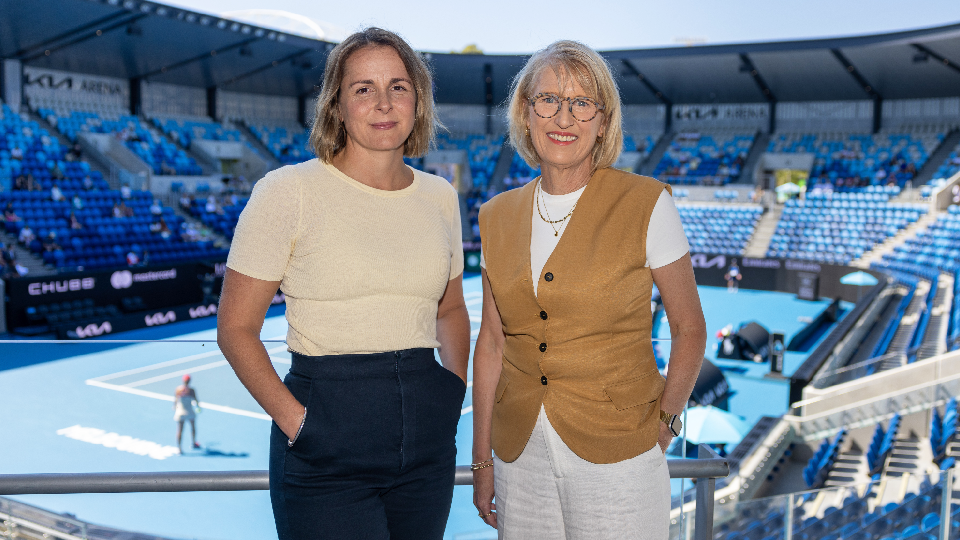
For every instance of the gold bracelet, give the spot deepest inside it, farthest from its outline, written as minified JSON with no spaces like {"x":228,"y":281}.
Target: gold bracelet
{"x":481,"y":462}
{"x":478,"y":467}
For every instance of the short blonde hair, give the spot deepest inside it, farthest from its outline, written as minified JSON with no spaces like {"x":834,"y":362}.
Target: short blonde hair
{"x":592,"y":72}
{"x":328,"y":136}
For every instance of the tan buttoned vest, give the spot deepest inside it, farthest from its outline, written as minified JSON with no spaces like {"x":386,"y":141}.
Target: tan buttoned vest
{"x":582,"y":346}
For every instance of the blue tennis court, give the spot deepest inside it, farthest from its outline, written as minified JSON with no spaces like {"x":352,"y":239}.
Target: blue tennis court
{"x":92,"y":407}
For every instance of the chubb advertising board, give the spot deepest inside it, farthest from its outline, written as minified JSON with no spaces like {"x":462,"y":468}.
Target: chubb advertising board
{"x":158,"y":287}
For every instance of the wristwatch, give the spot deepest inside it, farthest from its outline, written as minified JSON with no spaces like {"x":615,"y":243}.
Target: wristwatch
{"x":673,"y":422}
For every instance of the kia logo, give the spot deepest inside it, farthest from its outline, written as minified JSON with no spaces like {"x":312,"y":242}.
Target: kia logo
{"x":121,"y":279}
{"x":203,"y":311}
{"x":160,"y":318}
{"x":92,"y":330}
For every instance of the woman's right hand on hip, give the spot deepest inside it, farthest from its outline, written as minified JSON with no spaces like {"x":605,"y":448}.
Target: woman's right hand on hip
{"x":483,"y":495}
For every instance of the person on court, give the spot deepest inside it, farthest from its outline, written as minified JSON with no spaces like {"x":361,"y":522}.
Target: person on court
{"x":185,"y":408}
{"x":368,"y":252}
{"x":571,"y":415}
{"x":733,"y":277}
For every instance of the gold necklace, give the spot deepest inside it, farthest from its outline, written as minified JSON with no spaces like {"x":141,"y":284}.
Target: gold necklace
{"x":556,"y":231}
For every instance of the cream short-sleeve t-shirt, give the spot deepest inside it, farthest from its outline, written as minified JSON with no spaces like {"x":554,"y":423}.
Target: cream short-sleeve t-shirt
{"x":362,"y":269}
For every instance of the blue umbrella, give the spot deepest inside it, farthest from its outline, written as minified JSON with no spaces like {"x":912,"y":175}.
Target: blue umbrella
{"x":859,"y":278}
{"x":711,"y":425}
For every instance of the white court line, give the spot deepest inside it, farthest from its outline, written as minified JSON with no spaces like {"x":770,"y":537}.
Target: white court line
{"x":164,"y":397}
{"x":204,"y":404}
{"x":182,"y":372}
{"x":152,"y":367}
{"x":160,"y":365}
{"x":177,"y":374}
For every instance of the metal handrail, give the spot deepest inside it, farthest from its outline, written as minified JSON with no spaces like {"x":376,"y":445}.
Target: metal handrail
{"x":707,"y":469}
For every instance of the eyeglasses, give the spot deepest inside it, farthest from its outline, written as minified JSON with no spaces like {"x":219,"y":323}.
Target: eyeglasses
{"x":547,"y":105}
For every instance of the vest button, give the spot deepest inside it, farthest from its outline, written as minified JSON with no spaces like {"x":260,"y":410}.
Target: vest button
{"x":548,"y":276}
{"x":543,"y":347}
{"x":543,"y":315}
{"x":543,"y":380}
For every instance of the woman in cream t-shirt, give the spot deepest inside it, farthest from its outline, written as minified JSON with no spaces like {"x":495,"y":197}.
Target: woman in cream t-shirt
{"x":368,"y":253}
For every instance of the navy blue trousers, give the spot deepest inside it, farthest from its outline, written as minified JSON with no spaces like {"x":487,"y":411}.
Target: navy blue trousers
{"x":377,"y":454}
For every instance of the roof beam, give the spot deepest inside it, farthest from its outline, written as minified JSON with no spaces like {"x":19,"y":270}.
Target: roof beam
{"x":265,"y":67}
{"x":865,"y":84}
{"x":939,"y":58}
{"x":757,"y":78}
{"x":646,"y":82}
{"x":95,"y":25}
{"x":862,"y":81}
{"x":89,"y":35}
{"x":199,"y":57}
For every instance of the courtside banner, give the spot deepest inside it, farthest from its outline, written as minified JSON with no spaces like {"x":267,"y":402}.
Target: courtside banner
{"x":145,"y":319}
{"x":783,"y":275}
{"x":156,"y":286}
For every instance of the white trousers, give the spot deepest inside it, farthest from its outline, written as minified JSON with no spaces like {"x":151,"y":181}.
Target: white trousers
{"x":550,"y":493}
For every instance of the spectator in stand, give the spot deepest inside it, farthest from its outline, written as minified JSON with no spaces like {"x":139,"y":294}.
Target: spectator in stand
{"x":87,"y":183}
{"x":186,"y":202}
{"x":167,"y":169}
{"x":55,"y":194}
{"x":9,"y":214}
{"x":26,"y":235}
{"x":74,"y":222}
{"x":57,"y":172}
{"x":20,"y":184}
{"x":132,"y":259}
{"x":77,"y":202}
{"x":125,"y":191}
{"x":50,"y":242}
{"x":75,"y":153}
{"x":155,"y":208}
{"x":16,"y":153}
{"x":8,"y":255}
{"x":165,"y":231}
{"x":211,"y":206}
{"x":125,"y":210}
{"x":189,"y":233}
{"x":117,"y":212}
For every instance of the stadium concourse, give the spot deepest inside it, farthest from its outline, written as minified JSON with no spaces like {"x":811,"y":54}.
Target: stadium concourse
{"x":818,"y":183}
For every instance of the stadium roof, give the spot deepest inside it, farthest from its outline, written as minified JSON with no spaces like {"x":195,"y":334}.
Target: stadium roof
{"x":135,"y":39}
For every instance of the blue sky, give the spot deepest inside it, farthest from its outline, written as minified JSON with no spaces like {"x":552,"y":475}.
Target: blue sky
{"x":509,"y":26}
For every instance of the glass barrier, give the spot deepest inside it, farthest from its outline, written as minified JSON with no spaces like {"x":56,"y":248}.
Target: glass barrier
{"x":91,"y":406}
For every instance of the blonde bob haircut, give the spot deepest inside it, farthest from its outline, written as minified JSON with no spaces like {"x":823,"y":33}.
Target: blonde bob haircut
{"x":591,"y":71}
{"x":328,"y":136}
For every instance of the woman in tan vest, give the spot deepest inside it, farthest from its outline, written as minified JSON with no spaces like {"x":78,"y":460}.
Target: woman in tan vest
{"x":571,"y":415}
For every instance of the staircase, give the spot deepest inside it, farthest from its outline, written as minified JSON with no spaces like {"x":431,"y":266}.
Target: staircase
{"x":935,"y":339}
{"x":766,"y":227}
{"x":218,"y":239}
{"x":878,"y":251}
{"x":206,"y":166}
{"x":33,"y":264}
{"x":753,"y":158}
{"x":911,"y":317}
{"x":908,"y":462}
{"x":503,"y":165}
{"x":647,"y":166}
{"x":850,"y":469}
{"x":936,"y":159}
{"x":257,"y":144}
{"x":95,"y":164}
